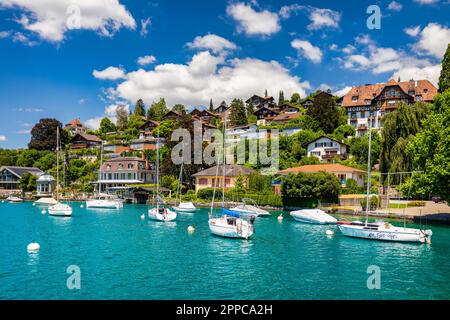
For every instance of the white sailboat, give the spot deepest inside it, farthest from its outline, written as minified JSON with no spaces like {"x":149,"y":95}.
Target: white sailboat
{"x":313,"y":216}
{"x":14,"y":199}
{"x":103,"y":201}
{"x":183,"y":206}
{"x":59,"y":209}
{"x":229,"y":224}
{"x":250,"y":207}
{"x":160,"y":212}
{"x":381,"y":230}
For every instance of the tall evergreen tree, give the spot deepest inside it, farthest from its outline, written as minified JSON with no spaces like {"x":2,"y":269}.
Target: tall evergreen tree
{"x":122,"y":117}
{"x":211,"y":106}
{"x":281,"y":97}
{"x":444,"y":78}
{"x":250,"y":109}
{"x":238,"y":114}
{"x":139,"y":108}
{"x":326,"y":112}
{"x":157,"y":110}
{"x":265,"y":93}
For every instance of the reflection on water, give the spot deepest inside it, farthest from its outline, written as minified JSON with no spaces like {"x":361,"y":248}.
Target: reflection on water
{"x":33,"y":262}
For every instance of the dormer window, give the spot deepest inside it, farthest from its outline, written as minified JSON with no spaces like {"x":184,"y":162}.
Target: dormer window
{"x":120,"y":166}
{"x":411,"y":92}
{"x":392,"y":93}
{"x":425,"y":90}
{"x":130,"y":166}
{"x":108,"y":167}
{"x":354,"y":98}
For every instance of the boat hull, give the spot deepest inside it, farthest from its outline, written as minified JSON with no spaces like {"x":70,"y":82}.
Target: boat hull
{"x":314,"y":216}
{"x":248,"y":210}
{"x":103,"y":204}
{"x":169,"y":215}
{"x":60,"y":210}
{"x":242,"y":230}
{"x":392,"y":234}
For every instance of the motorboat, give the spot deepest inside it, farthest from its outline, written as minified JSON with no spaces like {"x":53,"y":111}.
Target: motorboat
{"x":162,"y":214}
{"x":185,"y":207}
{"x":46,"y":201}
{"x":60,"y":209}
{"x":314,"y":216}
{"x":250,"y":207}
{"x":231,"y":225}
{"x":14,"y":199}
{"x":104,"y":201}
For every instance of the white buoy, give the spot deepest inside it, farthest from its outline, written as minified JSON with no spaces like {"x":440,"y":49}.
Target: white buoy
{"x":43,"y":211}
{"x":280,"y":217}
{"x":191,"y":229}
{"x":143,"y":216}
{"x":33,"y":247}
{"x":329,"y":232}
{"x":34,"y":204}
{"x":81,"y":206}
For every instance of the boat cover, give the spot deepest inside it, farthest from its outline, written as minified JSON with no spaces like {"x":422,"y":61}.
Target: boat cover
{"x":230,"y":213}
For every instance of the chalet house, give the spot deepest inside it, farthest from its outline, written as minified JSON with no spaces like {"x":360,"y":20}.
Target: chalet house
{"x":143,"y":144}
{"x":125,"y":171}
{"x":147,"y":127}
{"x":85,"y":141}
{"x":10,"y":176}
{"x":326,"y":148}
{"x":371,"y":102}
{"x":173,"y":115}
{"x":342,"y":172}
{"x":286,"y":117}
{"x":221,"y":108}
{"x":265,"y":114}
{"x":204,"y":115}
{"x":307,"y":102}
{"x":116,"y":148}
{"x":286,"y":108}
{"x":259,"y":102}
{"x":248,"y":131}
{"x":206,"y":178}
{"x":75,"y":126}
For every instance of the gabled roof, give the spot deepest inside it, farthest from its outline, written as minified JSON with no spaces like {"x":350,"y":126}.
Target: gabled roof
{"x":329,"y":167}
{"x":324,"y":136}
{"x":87,"y":137}
{"x":75,"y":123}
{"x":287,"y":116}
{"x":231,"y":170}
{"x":266,"y":108}
{"x":20,"y":171}
{"x":155,"y":123}
{"x":423,"y":88}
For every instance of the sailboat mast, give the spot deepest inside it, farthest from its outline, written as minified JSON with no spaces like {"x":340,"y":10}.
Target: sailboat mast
{"x":157,"y":171}
{"x":180,"y":184}
{"x":224,"y":156}
{"x":57,"y":163}
{"x":100,"y":169}
{"x":368,"y":171}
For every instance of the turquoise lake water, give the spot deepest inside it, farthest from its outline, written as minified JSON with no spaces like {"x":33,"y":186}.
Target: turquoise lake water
{"x":123,"y":257}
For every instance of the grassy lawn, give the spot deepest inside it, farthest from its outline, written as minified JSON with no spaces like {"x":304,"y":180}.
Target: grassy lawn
{"x":398,"y":205}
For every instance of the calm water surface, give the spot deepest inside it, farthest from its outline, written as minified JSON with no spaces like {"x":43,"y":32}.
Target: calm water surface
{"x":124,"y":257}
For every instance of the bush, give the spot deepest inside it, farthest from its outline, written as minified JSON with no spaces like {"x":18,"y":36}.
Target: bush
{"x":416,"y":204}
{"x":207,"y":193}
{"x":320,"y":186}
{"x":189,"y":196}
{"x":373,"y":203}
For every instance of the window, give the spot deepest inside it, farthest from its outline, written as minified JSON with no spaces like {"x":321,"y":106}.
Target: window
{"x":203,"y":181}
{"x":227,"y":182}
{"x":354,"y":98}
{"x":315,"y":153}
{"x":363,"y":114}
{"x":367,"y":101}
{"x":108,"y":167}
{"x":120,"y":166}
{"x":411,"y":92}
{"x":392,"y":93}
{"x":419,"y":98}
{"x":130,"y":166}
{"x":425,"y":90}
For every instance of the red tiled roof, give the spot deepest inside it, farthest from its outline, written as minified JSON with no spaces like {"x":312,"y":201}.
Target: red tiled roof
{"x":287,"y":116}
{"x":368,"y":92}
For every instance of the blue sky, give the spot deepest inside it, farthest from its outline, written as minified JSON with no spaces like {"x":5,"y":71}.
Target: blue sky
{"x":63,"y":60}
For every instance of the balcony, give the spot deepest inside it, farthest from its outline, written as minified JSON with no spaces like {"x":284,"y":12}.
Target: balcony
{"x":362,"y":127}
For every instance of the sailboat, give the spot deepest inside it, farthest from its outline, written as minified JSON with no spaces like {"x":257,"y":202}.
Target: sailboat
{"x":160,"y":212}
{"x":229,"y":224}
{"x":183,"y":206}
{"x":102,"y":200}
{"x":381,"y":230}
{"x":59,"y":209}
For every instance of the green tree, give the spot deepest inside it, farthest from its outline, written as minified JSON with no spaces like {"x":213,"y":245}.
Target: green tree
{"x":238,"y":114}
{"x":106,"y":126}
{"x":46,"y":161}
{"x":430,"y":152}
{"x":400,"y":127}
{"x":157,"y":110}
{"x":122,"y":117}
{"x":322,"y":185}
{"x":359,"y":148}
{"x":43,"y":135}
{"x":139,"y":108}
{"x":27,"y":182}
{"x":265,"y":93}
{"x":325,"y":111}
{"x":250,"y":109}
{"x":280,"y":97}
{"x":343,"y":131}
{"x":179,"y":108}
{"x":211,"y":106}
{"x":444,"y":78}
{"x":295,"y":98}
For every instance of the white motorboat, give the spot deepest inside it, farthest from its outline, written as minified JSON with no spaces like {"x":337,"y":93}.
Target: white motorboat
{"x":229,"y":224}
{"x":104,"y":202}
{"x":185,"y":207}
{"x":251,"y":208}
{"x":381,"y":230}
{"x":14,"y":199}
{"x":314,"y":216}
{"x":384,"y":231}
{"x":161,"y":214}
{"x":60,"y":209}
{"x":46,"y":201}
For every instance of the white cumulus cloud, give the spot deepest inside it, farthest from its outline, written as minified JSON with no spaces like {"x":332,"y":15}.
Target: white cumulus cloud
{"x":412,"y":31}
{"x":50,"y":20}
{"x":212,"y":42}
{"x":110,"y":73}
{"x":306,"y":49}
{"x":321,"y":18}
{"x":433,"y":40}
{"x":2,"y":138}
{"x":252,"y":22}
{"x":146,"y":60}
{"x":395,"y":6}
